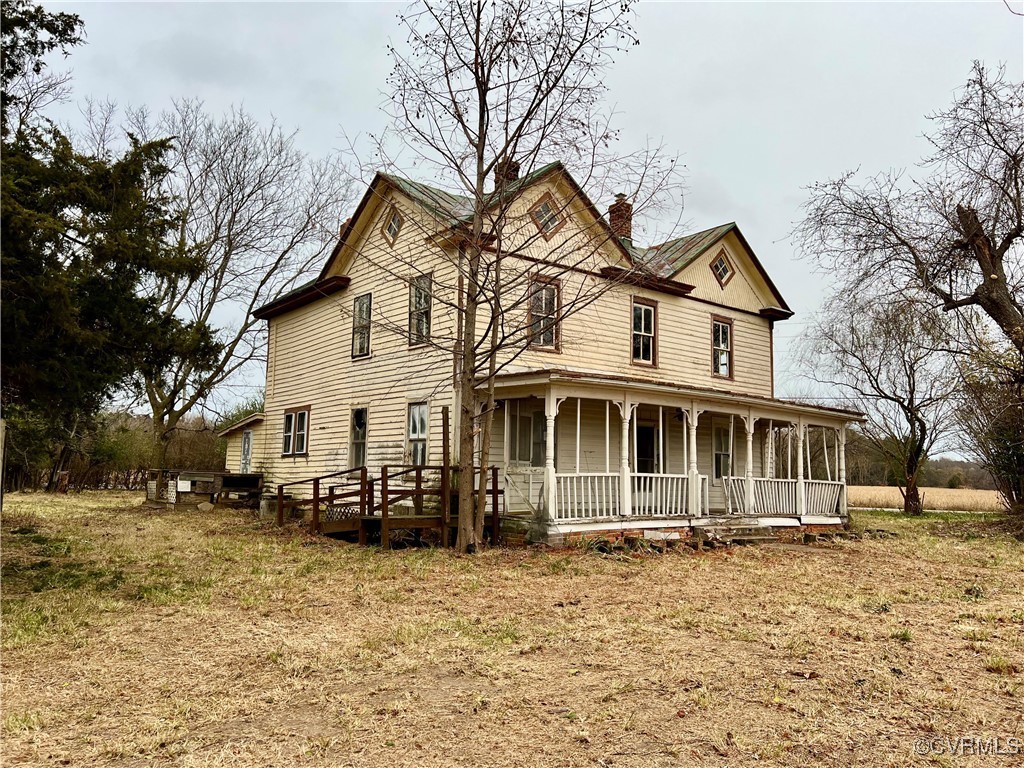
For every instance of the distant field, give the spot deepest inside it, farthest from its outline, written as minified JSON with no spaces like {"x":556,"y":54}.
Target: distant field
{"x":954,"y":499}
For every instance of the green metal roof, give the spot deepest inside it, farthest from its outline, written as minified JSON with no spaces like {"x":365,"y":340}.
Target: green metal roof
{"x":669,"y":258}
{"x":453,"y":209}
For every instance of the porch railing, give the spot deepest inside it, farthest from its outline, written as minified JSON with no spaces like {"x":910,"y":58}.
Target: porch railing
{"x":659,"y":495}
{"x":822,"y":497}
{"x":581,"y":497}
{"x":776,"y":496}
{"x":598,"y":494}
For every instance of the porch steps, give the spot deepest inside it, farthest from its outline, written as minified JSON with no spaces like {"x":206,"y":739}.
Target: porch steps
{"x":711,"y":536}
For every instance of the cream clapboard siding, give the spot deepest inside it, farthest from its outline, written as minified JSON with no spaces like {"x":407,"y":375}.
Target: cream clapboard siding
{"x":233,"y":452}
{"x":233,"y":455}
{"x":310,"y":359}
{"x":746,"y":290}
{"x":596,"y":336}
{"x":312,"y":362}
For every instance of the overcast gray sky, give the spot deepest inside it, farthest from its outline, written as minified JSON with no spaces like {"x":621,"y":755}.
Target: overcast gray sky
{"x":760,"y":99}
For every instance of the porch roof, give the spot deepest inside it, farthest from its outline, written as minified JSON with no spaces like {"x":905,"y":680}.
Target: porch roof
{"x":567,"y":376}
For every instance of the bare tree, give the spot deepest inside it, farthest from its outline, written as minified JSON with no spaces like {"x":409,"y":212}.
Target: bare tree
{"x":953,"y":235}
{"x":951,"y":238}
{"x":260,"y":215}
{"x":889,"y":361}
{"x":487,"y":89}
{"x":990,"y":411}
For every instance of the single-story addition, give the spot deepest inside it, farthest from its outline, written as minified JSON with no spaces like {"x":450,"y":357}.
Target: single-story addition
{"x":649,"y":407}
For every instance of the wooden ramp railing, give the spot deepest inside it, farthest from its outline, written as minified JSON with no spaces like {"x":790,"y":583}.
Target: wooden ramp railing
{"x":399,"y":499}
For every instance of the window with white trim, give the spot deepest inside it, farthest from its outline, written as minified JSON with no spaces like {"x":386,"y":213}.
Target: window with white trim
{"x":419,"y":416}
{"x":644,"y":332}
{"x":357,"y":438}
{"x":361,"y":308}
{"x":295,"y":432}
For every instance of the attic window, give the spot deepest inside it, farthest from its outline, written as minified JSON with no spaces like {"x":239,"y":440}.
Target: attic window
{"x":546,"y":216}
{"x":722,"y":268}
{"x":393,"y":227}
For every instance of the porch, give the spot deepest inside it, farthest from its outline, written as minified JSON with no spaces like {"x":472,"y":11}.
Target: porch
{"x":580,"y":456}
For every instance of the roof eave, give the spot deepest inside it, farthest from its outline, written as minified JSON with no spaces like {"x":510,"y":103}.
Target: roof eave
{"x":291,"y":301}
{"x":252,"y":418}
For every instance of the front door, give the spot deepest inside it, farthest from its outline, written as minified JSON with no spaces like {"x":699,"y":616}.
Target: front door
{"x":246,"y":461}
{"x":646,"y":455}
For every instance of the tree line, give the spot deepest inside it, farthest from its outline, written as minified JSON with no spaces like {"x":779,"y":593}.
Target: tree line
{"x":133,"y":252}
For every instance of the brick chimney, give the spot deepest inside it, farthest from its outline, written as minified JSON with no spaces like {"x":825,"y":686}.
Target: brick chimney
{"x":620,"y":218}
{"x":505,"y":171}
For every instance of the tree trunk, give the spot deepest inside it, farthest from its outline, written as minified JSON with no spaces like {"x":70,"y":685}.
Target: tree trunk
{"x":912,"y":499}
{"x":161,"y":442}
{"x":58,"y":467}
{"x":467,"y":540}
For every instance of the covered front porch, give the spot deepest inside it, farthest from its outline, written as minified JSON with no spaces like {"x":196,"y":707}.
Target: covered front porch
{"x":581,"y":454}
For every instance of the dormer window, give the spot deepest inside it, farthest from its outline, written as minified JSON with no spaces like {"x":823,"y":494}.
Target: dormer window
{"x":722,"y":268}
{"x":393,"y":226}
{"x":546,"y":216}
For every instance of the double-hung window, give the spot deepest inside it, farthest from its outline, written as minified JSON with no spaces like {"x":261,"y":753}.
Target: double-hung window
{"x":357,"y":438}
{"x":721,"y":347}
{"x":419,"y":414}
{"x":544,"y":307}
{"x":419,"y":310}
{"x":644,"y":332}
{"x":361,"y":308}
{"x":295,"y":432}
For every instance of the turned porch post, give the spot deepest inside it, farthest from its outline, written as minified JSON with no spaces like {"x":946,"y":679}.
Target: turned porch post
{"x":693,"y":479}
{"x":625,"y":481}
{"x":748,"y":422}
{"x":844,"y":510}
{"x":550,"y":412}
{"x":801,"y":498}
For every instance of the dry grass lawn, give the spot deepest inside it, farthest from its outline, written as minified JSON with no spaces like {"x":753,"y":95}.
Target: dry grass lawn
{"x":945,"y":499}
{"x":139,"y":638}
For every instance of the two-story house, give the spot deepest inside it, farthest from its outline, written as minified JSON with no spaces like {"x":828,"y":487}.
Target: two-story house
{"x":634,"y":386}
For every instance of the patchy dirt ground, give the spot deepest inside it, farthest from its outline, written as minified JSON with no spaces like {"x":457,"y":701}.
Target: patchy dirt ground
{"x":139,"y":638}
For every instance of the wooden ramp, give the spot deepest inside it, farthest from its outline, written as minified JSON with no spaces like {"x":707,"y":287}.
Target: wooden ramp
{"x":415,"y":498}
